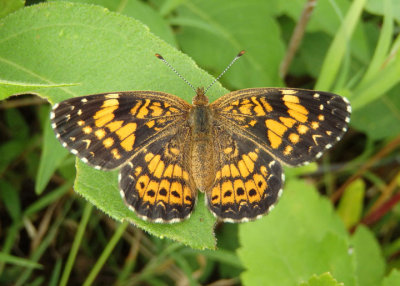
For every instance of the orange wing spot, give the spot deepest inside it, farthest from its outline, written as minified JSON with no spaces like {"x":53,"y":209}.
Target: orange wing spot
{"x":294,"y":138}
{"x":298,"y":116}
{"x":164,"y":184}
{"x":104,"y":119}
{"x":185,"y":175}
{"x":177,"y":171}
{"x":228,"y":108}
{"x":260,"y":183}
{"x":252,"y":123}
{"x":290,"y":98}
{"x":166,"y":104}
{"x":264,"y":171}
{"x":234,"y":171}
{"x":173,"y":110}
{"x":174,"y":151}
{"x":225,"y":172}
{"x":161,"y":121}
{"x":141,"y":184}
{"x":143,"y":111}
{"x":288,"y":150}
{"x":289,"y":122}
{"x":240,"y":194}
{"x":288,"y":91}
{"x":128,"y":142}
{"x":251,"y":190}
{"x":297,"y":107}
{"x":136,"y":107}
{"x":115,"y":154}
{"x":276,"y":127}
{"x":236,"y":102}
{"x":243,"y":170}
{"x":110,"y":102}
{"x":148,"y":157}
{"x":218,"y":175}
{"x":266,"y":105}
{"x":329,"y":133}
{"x":245,"y":109}
{"x":302,"y":129}
{"x":151,"y":190}
{"x":114,"y":125}
{"x":126,"y":130}
{"x":87,"y":129}
{"x":153,"y":163}
{"x":168,"y":171}
{"x":314,"y":125}
{"x":257,"y":108}
{"x":249,"y":163}
{"x":157,"y":111}
{"x":158,"y":172}
{"x":187,"y":195}
{"x":228,"y":150}
{"x":253,"y":156}
{"x":321,"y":117}
{"x":81,"y":122}
{"x":138,"y":170}
{"x":108,"y":142}
{"x":227,"y":192}
{"x":176,"y":193}
{"x":245,"y":101}
{"x":150,"y":123}
{"x":100,"y":133}
{"x":104,"y":111}
{"x":216,"y":194}
{"x":274,"y":139}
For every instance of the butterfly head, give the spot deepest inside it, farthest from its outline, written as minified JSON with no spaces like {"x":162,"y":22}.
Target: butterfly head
{"x":200,"y":98}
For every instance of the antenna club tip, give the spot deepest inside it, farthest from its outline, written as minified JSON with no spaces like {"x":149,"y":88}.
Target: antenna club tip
{"x":159,"y":56}
{"x":241,"y":53}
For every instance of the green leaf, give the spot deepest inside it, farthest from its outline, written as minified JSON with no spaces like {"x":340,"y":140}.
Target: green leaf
{"x":378,"y":7}
{"x":103,"y":51}
{"x":338,"y":47}
{"x":393,"y":279}
{"x":14,"y":260}
{"x":9,"y":197}
{"x":232,"y":26}
{"x":301,"y":237}
{"x":52,"y":156}
{"x":140,"y":11}
{"x":369,"y":262}
{"x":325,"y":279}
{"x":8,"y":88}
{"x":351,"y":204}
{"x":9,"y":6}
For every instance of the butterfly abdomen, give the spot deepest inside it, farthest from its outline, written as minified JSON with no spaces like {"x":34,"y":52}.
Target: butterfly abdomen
{"x":202,"y":151}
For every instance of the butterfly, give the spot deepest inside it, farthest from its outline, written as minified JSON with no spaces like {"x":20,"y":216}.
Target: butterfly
{"x":231,"y":149}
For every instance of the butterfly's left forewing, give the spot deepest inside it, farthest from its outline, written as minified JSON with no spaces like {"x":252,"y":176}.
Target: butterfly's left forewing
{"x":105,"y":130}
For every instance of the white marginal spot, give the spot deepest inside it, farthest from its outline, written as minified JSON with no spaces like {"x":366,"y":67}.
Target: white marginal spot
{"x":228,"y":220}
{"x":58,"y":136}
{"x":68,"y":116}
{"x":283,"y":177}
{"x":328,"y":146}
{"x":97,"y":167}
{"x":318,"y":155}
{"x":271,"y":207}
{"x":64,"y":144}
{"x":53,"y":125}
{"x":79,"y":112}
{"x":119,"y":178}
{"x":52,"y":115}
{"x":245,"y":219}
{"x":346,"y":100}
{"x":74,"y":151}
{"x":338,"y":138}
{"x":280,"y":192}
{"x":347,"y":119}
{"x":344,"y":129}
{"x":348,"y":108}
{"x":271,"y":164}
{"x":122,"y":194}
{"x":316,"y":95}
{"x":130,"y":164}
{"x":84,"y":100}
{"x":131,"y":208}
{"x":321,"y":107}
{"x":84,"y":160}
{"x":55,"y":106}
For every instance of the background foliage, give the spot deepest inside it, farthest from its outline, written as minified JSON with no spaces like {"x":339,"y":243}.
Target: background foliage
{"x":337,"y":221}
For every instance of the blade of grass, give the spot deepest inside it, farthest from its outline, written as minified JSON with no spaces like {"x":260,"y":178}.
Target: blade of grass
{"x":10,"y":259}
{"x":336,"y":51}
{"x":106,"y":253}
{"x":77,"y":241}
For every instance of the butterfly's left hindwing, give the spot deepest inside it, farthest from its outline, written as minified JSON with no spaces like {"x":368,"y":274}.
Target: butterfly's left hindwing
{"x":295,"y":125}
{"x":105,"y":130}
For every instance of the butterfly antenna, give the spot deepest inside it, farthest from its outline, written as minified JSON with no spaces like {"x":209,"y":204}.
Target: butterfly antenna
{"x":175,"y":71}
{"x":225,"y":70}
